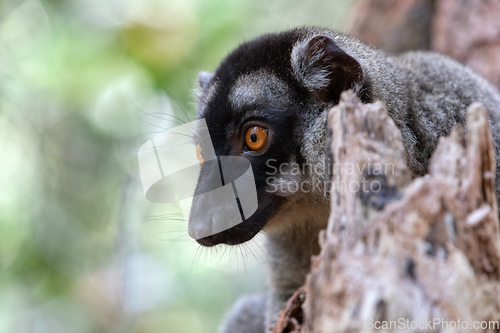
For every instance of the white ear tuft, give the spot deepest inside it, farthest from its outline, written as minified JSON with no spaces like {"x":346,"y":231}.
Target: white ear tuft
{"x":324,"y":68}
{"x":308,"y":68}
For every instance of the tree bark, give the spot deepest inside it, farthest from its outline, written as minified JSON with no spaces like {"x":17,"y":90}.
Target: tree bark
{"x":394,"y":25}
{"x":398,"y":251}
{"x":467,"y":31}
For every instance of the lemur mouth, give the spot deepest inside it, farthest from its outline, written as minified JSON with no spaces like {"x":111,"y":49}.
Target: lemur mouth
{"x":231,"y":236}
{"x":244,"y":231}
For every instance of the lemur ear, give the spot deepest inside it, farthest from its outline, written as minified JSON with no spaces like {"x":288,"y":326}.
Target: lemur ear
{"x":204,"y":79}
{"x":324,"y":68}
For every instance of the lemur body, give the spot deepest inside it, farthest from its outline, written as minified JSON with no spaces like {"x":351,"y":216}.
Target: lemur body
{"x":286,"y":83}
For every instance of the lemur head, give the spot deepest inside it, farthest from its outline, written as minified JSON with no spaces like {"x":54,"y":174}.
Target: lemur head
{"x":267,"y":101}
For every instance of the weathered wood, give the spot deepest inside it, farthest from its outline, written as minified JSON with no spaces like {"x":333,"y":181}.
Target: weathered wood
{"x":290,"y":319}
{"x":393,"y":25}
{"x":469,"y":31}
{"x":411,"y":251}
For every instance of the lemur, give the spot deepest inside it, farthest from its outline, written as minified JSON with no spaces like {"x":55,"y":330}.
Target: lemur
{"x":268,"y":101}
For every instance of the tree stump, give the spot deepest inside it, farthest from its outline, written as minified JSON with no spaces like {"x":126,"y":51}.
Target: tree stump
{"x":419,"y":255}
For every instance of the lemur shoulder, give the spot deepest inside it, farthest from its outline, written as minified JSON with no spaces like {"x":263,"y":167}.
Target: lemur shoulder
{"x":278,"y":89}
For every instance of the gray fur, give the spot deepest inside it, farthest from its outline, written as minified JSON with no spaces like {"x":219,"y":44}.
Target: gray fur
{"x":258,"y":87}
{"x":246,"y":315}
{"x":204,"y":79}
{"x":426,"y":95}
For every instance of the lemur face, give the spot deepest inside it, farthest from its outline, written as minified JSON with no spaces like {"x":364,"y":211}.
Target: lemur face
{"x":262,"y":103}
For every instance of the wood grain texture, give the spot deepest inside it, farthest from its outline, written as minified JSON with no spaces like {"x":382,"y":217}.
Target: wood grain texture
{"x":415,"y":250}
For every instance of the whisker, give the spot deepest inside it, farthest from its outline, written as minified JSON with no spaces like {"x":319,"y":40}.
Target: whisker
{"x":152,"y":115}
{"x":178,"y":104}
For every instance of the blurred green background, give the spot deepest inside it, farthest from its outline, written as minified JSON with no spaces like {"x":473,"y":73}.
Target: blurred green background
{"x":82,"y":85}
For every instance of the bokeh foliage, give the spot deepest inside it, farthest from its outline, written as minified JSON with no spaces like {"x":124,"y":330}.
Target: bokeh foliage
{"x":82,"y":85}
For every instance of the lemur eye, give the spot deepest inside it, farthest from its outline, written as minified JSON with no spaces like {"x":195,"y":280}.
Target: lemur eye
{"x":198,"y":154}
{"x":256,"y":137}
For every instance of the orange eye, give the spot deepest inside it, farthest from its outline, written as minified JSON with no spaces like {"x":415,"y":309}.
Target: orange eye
{"x":256,"y":137}
{"x":198,"y":154}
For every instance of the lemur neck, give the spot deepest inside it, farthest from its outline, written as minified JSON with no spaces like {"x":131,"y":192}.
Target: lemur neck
{"x":290,"y":253}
